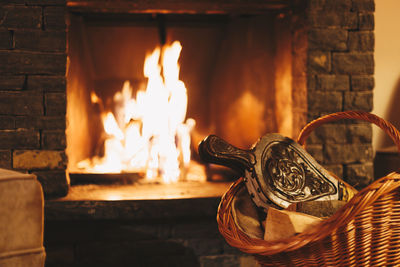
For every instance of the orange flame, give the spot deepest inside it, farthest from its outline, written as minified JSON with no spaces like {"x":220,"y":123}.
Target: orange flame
{"x":149,"y":132}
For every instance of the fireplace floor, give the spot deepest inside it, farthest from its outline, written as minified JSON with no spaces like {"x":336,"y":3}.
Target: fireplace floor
{"x":146,"y":191}
{"x":137,"y":201}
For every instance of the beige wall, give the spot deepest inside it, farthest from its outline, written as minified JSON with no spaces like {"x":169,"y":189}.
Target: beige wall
{"x":387,"y":67}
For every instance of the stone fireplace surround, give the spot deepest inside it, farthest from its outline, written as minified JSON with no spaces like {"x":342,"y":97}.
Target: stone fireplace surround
{"x":332,"y":59}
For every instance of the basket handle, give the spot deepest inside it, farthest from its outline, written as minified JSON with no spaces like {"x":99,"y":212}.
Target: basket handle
{"x":386,"y":126}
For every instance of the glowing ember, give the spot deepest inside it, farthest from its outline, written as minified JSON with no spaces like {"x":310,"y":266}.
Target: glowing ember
{"x":148,"y":133}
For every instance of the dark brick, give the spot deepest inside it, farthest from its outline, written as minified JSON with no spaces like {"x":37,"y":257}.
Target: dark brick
{"x":195,"y":230}
{"x":37,"y":40}
{"x":363,"y":5}
{"x":53,"y":140}
{"x":47,"y":83}
{"x":5,"y":39}
{"x":55,"y":104}
{"x":20,"y":17}
{"x":336,"y":169}
{"x":353,"y":63}
{"x":359,"y":175}
{"x":347,"y":153}
{"x":5,"y":159}
{"x":311,"y":82}
{"x":54,"y":18}
{"x":221,"y":260}
{"x":41,"y":122}
{"x":327,"y":39}
{"x":346,"y":20}
{"x":366,"y":21}
{"x":9,"y":83}
{"x":336,"y":5}
{"x":139,"y":253}
{"x":362,"y":83}
{"x":206,"y":246}
{"x":21,"y":103}
{"x":361,"y":41}
{"x":54,"y":183}
{"x":59,"y":255}
{"x":316,"y":152}
{"x":46,"y":2}
{"x":328,"y":82}
{"x":358,"y":101}
{"x":359,"y":133}
{"x":329,"y":133}
{"x":32,"y":63}
{"x":319,"y":62}
{"x":19,"y":139}
{"x":325,"y":101}
{"x":7,"y":122}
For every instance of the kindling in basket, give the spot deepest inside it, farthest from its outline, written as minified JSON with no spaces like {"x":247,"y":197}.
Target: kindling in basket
{"x":279,"y":172}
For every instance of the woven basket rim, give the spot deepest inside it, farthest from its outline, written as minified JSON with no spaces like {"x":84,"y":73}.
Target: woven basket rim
{"x":364,"y":198}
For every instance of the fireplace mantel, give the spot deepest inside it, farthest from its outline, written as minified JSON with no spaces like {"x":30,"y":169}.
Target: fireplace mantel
{"x":178,"y":7}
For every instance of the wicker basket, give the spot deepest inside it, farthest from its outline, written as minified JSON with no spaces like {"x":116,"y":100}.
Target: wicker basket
{"x":365,"y":232}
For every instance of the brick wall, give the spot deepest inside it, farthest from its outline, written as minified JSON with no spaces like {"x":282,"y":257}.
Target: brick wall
{"x":125,"y":243}
{"x":340,"y":70}
{"x":32,"y":90}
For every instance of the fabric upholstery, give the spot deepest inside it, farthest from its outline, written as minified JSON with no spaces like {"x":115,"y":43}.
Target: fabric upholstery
{"x":21,"y":220}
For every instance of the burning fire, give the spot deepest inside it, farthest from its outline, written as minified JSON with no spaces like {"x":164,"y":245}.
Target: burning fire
{"x":147,"y":133}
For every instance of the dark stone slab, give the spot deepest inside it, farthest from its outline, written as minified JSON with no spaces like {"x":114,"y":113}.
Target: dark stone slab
{"x":362,"y":83}
{"x":336,"y":5}
{"x":359,"y":175}
{"x":359,"y":133}
{"x":166,"y":209}
{"x":361,"y":41}
{"x":38,"y":40}
{"x":46,"y":2}
{"x":19,"y":139}
{"x":32,"y":63}
{"x":358,"y":101}
{"x":54,"y":183}
{"x":319,"y":62}
{"x":328,"y":39}
{"x":46,"y":83}
{"x":366,"y":21}
{"x":325,"y":101}
{"x":363,"y":5}
{"x":353,"y":63}
{"x":55,"y":104}
{"x":22,"y":17}
{"x":336,"y":169}
{"x":315,"y":151}
{"x":347,"y":153}
{"x":7,"y":122}
{"x":12,"y":82}
{"x":53,"y":139}
{"x":328,"y":82}
{"x":21,"y":103}
{"x":41,"y":122}
{"x":346,"y":20}
{"x":54,"y":18}
{"x":5,"y":39}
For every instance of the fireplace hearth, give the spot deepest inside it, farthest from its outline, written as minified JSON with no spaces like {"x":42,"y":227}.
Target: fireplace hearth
{"x":319,"y":60}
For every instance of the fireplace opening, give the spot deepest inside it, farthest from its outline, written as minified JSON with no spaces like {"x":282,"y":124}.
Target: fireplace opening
{"x":237,"y":72}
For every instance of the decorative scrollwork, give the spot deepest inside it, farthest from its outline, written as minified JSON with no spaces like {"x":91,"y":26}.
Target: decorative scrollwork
{"x":290,"y":174}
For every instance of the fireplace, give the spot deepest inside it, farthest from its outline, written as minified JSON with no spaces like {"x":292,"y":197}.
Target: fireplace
{"x":229,"y":84}
{"x":316,"y":57}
